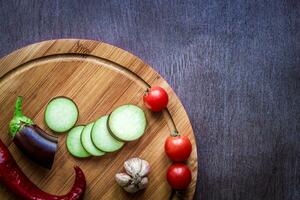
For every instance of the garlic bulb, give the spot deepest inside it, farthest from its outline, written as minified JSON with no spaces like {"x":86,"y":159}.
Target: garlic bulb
{"x":135,"y":178}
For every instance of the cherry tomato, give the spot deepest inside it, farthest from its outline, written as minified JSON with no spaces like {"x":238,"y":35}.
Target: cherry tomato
{"x":178,"y":147}
{"x":156,"y":99}
{"x":179,"y":176}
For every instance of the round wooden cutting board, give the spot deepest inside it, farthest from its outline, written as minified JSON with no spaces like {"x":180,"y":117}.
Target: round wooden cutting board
{"x":98,"y":77}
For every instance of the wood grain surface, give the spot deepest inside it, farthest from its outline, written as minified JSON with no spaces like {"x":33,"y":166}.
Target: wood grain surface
{"x":234,"y":64}
{"x":98,"y":77}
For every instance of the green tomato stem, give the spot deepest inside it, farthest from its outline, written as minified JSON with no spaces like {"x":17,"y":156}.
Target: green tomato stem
{"x":175,"y":133}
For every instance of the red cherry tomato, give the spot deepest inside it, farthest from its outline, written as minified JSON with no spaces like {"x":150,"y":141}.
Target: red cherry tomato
{"x":179,"y":176}
{"x":178,"y":147}
{"x":156,"y":99}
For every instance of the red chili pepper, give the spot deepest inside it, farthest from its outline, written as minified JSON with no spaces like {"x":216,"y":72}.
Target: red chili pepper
{"x":17,"y":182}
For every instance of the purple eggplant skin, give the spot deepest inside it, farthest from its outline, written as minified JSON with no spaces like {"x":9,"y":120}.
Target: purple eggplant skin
{"x":33,"y":141}
{"x":37,"y":145}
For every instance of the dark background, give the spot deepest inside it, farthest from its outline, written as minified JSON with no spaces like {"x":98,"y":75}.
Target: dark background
{"x":234,"y":64}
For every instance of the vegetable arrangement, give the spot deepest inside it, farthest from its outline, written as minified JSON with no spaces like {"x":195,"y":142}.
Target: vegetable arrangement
{"x":107,"y":134}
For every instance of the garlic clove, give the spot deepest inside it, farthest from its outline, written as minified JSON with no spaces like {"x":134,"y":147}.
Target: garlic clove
{"x":131,"y":188}
{"x":133,"y":166}
{"x":123,"y":179}
{"x":143,"y":184}
{"x":145,"y":168}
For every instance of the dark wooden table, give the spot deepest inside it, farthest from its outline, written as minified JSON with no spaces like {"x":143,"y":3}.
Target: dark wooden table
{"x":234,"y":64}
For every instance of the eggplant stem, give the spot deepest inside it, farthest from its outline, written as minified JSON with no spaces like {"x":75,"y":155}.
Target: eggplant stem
{"x":18,"y":119}
{"x":18,"y":106}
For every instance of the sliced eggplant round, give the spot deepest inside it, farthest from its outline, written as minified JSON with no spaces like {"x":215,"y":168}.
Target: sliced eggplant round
{"x":87,"y":143}
{"x":127,"y":122}
{"x":61,"y":114}
{"x":102,"y":138}
{"x":74,"y":145}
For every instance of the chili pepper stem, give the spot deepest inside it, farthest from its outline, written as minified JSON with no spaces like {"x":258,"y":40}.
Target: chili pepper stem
{"x":18,"y":119}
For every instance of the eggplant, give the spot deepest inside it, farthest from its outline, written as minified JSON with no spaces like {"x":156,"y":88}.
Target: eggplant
{"x":33,"y":141}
